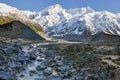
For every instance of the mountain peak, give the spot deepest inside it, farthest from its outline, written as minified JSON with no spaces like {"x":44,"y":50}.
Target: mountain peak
{"x":56,"y":6}
{"x":53,"y":9}
{"x":87,"y":9}
{"x":83,"y":10}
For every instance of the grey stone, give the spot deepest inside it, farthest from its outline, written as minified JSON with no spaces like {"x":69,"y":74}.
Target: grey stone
{"x":47,"y":72}
{"x":2,"y":58}
{"x":63,"y":68}
{"x":115,"y":74}
{"x":33,"y":57}
{"x":89,"y":77}
{"x":33,"y":54}
{"x":23,"y":58}
{"x":57,"y":58}
{"x":59,"y":63}
{"x":17,"y":44}
{"x":96,"y":76}
{"x":62,"y":75}
{"x":41,"y":67}
{"x":68,"y":74}
{"x":2,"y":51}
{"x":79,"y":78}
{"x":37,"y":79}
{"x":2,"y":68}
{"x":31,"y":74}
{"x":22,"y":75}
{"x":33,"y":71}
{"x":45,"y":63}
{"x":54,"y":78}
{"x":7,"y":50}
{"x":67,"y":79}
{"x":5,"y":76}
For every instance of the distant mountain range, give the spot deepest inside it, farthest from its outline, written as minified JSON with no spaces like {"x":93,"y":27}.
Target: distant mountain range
{"x":59,"y":22}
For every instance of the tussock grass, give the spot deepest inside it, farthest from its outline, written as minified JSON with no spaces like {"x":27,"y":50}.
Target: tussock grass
{"x":4,"y":20}
{"x":34,"y":26}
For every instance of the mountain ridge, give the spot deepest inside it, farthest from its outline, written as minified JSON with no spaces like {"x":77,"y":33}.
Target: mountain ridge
{"x":76,"y":21}
{"x":57,"y":21}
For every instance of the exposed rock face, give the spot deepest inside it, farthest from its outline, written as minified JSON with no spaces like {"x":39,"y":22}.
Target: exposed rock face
{"x":17,"y":29}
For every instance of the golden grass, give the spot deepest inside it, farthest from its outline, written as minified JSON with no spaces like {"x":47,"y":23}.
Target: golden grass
{"x":34,"y":26}
{"x":4,"y":20}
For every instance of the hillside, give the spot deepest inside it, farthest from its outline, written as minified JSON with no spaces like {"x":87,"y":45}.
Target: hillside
{"x":35,"y":31}
{"x":17,"y":29}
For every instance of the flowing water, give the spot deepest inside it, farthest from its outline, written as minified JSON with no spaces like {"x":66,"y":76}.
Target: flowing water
{"x":32,"y":66}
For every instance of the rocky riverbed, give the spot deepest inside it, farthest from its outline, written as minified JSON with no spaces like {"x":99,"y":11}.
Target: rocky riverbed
{"x":62,"y":61}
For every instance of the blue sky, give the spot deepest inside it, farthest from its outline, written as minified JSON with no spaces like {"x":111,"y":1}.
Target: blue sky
{"x":38,"y":5}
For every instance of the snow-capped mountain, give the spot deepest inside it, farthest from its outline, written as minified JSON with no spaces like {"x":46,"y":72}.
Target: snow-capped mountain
{"x":57,"y":21}
{"x":6,"y":9}
{"x":13,"y":12}
{"x":55,"y":15}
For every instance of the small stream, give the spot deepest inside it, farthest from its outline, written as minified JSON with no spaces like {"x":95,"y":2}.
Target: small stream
{"x":37,"y":75}
{"x":28,"y":75}
{"x":50,"y":66}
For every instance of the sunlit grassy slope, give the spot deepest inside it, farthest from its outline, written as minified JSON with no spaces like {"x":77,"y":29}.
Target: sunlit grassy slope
{"x":34,"y":26}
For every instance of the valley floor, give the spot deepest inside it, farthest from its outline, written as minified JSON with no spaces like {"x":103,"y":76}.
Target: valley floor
{"x":60,"y":60}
